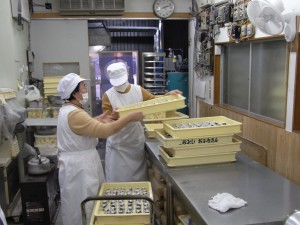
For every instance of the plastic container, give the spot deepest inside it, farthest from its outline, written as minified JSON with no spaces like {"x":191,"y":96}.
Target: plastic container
{"x":101,"y":218}
{"x":50,"y":85}
{"x":50,"y":91}
{"x":208,"y":126}
{"x":150,"y":129}
{"x":197,"y":160}
{"x":166,"y":103}
{"x":54,"y":111}
{"x":169,"y":115}
{"x":41,"y":140}
{"x":52,"y":79}
{"x":155,"y":116}
{"x":170,"y":142}
{"x":34,"y":112}
{"x":234,"y":146}
{"x":6,"y":94}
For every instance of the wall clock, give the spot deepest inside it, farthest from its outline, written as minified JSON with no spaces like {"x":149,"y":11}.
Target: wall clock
{"x":163,"y":8}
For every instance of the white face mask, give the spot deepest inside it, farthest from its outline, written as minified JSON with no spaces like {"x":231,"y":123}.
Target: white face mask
{"x":85,"y":98}
{"x":122,"y":87}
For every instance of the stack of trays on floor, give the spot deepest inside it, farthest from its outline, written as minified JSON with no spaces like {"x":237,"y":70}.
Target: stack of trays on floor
{"x":125,"y":212}
{"x":199,"y":141}
{"x":155,"y":109}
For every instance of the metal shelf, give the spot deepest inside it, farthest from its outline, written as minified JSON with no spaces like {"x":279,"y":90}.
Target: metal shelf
{"x":154,"y":72}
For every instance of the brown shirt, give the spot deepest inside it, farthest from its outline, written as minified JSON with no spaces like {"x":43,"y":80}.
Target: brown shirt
{"x":81,"y":123}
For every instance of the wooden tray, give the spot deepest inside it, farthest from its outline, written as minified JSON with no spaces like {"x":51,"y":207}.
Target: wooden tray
{"x":170,"y":142}
{"x":150,"y":129}
{"x":170,"y":115}
{"x":234,"y":146}
{"x":225,"y":126}
{"x":197,"y":160}
{"x":162,"y":104}
{"x":100,"y":218}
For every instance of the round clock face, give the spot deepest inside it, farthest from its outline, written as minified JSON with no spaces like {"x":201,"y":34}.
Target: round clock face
{"x":163,"y":8}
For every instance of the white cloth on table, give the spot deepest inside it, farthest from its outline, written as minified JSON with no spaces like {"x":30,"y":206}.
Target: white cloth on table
{"x":225,"y":201}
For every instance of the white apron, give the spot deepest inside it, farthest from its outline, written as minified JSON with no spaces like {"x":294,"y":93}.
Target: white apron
{"x":125,"y":151}
{"x":80,"y":171}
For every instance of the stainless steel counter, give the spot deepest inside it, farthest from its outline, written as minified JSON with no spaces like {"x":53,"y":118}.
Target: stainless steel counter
{"x":270,"y":196}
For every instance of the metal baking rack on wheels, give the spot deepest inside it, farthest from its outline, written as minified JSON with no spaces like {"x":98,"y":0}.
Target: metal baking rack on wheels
{"x":121,"y":204}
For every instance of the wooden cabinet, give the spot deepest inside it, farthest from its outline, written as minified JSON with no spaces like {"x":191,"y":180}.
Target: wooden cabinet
{"x":154,"y":73}
{"x":9,"y":185}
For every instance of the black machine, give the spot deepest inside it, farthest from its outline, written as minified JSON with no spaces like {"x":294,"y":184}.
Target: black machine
{"x":39,"y":195}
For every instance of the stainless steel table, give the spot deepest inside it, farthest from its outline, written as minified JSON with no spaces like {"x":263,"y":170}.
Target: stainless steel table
{"x":41,"y":121}
{"x":270,"y":196}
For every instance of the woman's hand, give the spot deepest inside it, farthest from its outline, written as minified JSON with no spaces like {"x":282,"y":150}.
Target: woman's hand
{"x":174,"y":92}
{"x":114,"y":115}
{"x":104,"y":118}
{"x":136,"y":116}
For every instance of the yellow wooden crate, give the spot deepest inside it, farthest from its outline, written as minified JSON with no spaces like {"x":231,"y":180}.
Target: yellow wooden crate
{"x":7,"y":94}
{"x":55,"y":111}
{"x":38,"y":112}
{"x":41,"y":140}
{"x":51,"y":91}
{"x":50,"y":85}
{"x":202,"y":127}
{"x":99,"y":217}
{"x":155,"y":116}
{"x":52,"y":79}
{"x":170,"y":142}
{"x":170,"y":115}
{"x":234,"y":146}
{"x":162,"y":104}
{"x":197,"y":160}
{"x":150,"y":129}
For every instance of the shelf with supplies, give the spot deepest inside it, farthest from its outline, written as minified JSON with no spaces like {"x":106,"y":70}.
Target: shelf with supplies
{"x":154,"y":72}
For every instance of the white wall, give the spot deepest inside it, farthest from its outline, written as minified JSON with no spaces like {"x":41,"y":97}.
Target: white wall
{"x":13,"y":45}
{"x":59,"y":41}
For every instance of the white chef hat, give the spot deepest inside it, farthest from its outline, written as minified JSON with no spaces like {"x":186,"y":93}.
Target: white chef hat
{"x":68,"y":84}
{"x":117,"y":73}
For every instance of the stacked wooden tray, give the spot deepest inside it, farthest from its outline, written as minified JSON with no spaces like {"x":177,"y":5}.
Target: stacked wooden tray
{"x":157,"y":105}
{"x":50,"y":85}
{"x":110,"y":212}
{"x":198,"y":141}
{"x":150,"y":129}
{"x":168,"y":115}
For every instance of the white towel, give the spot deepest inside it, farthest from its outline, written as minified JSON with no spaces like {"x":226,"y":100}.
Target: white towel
{"x":225,"y":201}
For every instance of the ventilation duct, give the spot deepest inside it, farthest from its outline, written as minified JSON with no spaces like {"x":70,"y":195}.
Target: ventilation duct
{"x":92,"y":7}
{"x":99,"y":35}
